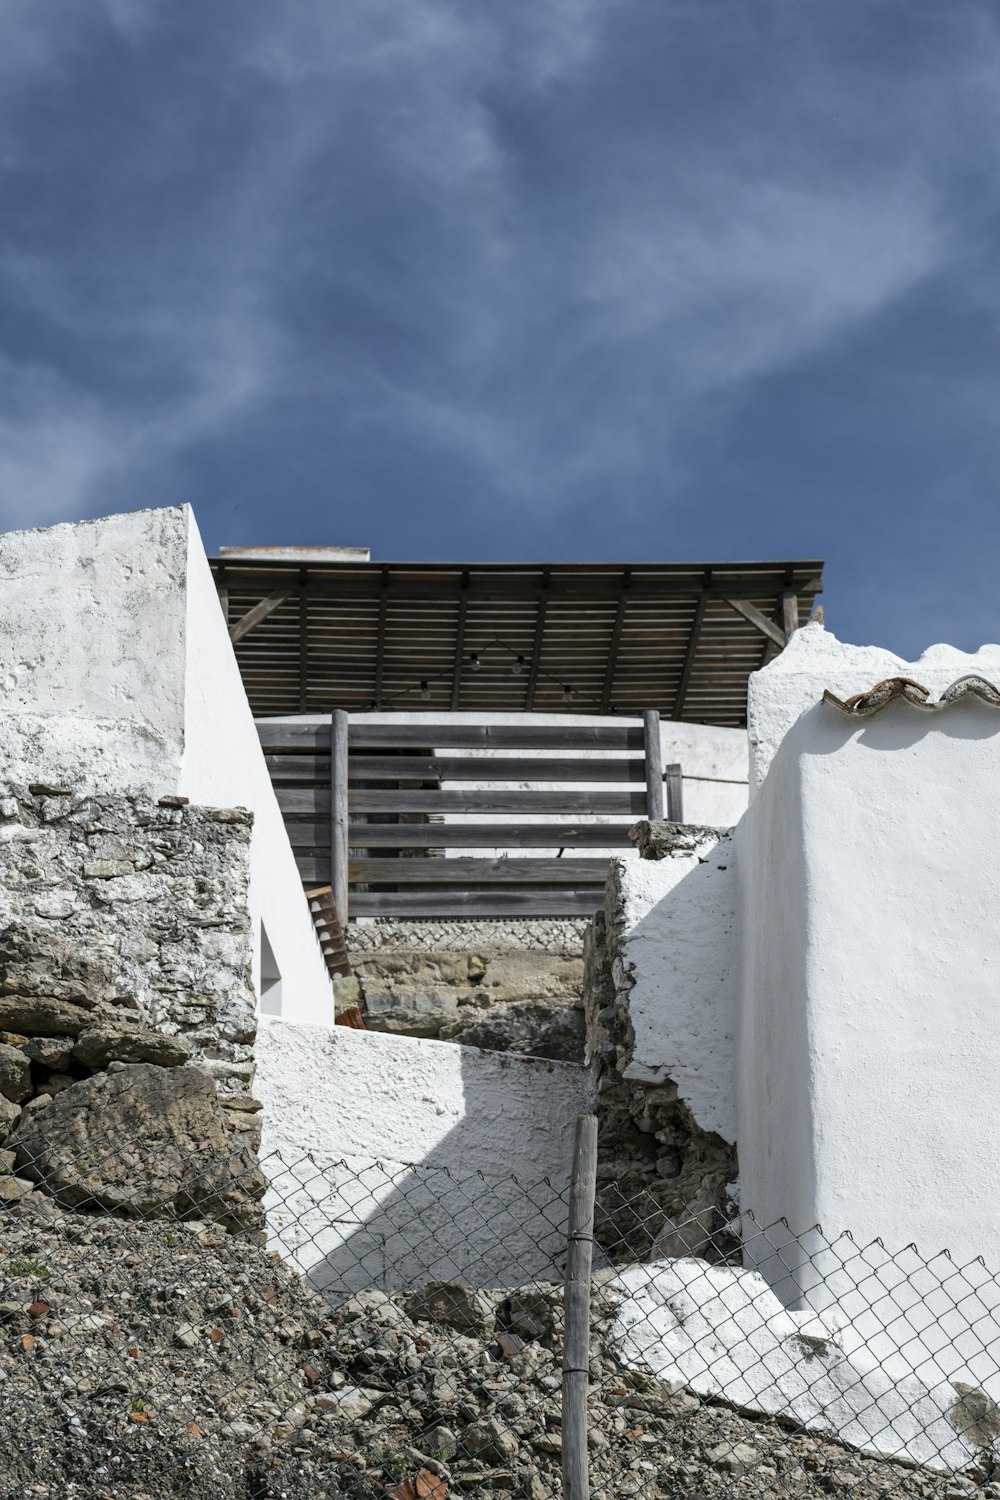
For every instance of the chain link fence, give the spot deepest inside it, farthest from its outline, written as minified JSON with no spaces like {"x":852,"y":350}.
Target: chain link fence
{"x":299,"y":1327}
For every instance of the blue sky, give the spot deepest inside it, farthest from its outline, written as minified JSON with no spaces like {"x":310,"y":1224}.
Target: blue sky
{"x":595,"y":279}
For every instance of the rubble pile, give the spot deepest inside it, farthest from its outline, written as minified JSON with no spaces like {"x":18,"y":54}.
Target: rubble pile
{"x":142,"y":1360}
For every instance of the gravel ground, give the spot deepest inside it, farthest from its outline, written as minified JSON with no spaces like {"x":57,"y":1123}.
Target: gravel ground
{"x":144,"y":1360}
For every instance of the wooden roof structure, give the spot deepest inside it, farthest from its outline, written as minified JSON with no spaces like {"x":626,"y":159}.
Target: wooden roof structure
{"x":510,"y":637}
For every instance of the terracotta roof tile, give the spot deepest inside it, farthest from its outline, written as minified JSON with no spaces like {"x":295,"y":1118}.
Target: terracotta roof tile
{"x":874,"y":699}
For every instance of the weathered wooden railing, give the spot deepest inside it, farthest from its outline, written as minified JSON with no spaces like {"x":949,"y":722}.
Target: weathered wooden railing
{"x":358,"y":797}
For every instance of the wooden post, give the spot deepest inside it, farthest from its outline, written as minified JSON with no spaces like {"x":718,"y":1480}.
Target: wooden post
{"x":576,"y":1336}
{"x":789,"y":614}
{"x":338,"y":812}
{"x":675,"y":794}
{"x":654,"y":764}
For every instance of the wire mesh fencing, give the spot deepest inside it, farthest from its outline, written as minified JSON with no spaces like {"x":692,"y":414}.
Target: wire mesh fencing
{"x":388,"y":1331}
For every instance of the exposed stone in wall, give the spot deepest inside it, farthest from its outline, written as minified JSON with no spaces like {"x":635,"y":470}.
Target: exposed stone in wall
{"x":507,"y":985}
{"x":651,"y":1152}
{"x":116,"y":911}
{"x":127,"y":1010}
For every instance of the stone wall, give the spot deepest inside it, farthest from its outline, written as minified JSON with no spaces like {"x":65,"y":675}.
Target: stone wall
{"x":117,"y":912}
{"x":506,"y":985}
{"x":652,"y":1150}
{"x":127,"y":1009}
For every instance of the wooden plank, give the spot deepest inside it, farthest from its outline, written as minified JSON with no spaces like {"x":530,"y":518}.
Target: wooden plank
{"x":241,"y":627}
{"x":757,"y":618}
{"x":654,"y":764}
{"x":576,"y":1303}
{"x":306,"y":768}
{"x":493,"y":800}
{"x":338,"y":795}
{"x":438,"y":735}
{"x":313,"y":801}
{"x":576,"y":872}
{"x":292,"y":736}
{"x":470,"y":835}
{"x":675,"y":793}
{"x":488,"y":903}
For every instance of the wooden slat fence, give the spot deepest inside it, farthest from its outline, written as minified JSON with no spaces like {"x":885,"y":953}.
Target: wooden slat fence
{"x":366,"y":805}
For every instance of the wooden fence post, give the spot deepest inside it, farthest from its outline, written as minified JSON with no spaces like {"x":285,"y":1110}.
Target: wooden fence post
{"x":338,"y":813}
{"x":654,"y":764}
{"x":675,"y":794}
{"x":576,"y":1336}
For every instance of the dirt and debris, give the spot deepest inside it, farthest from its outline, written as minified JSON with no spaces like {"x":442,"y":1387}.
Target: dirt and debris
{"x":145,"y":1360}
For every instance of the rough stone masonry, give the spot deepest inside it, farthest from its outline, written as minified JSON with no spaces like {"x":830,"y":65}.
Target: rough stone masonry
{"x":127,"y":1009}
{"x":508,"y":985}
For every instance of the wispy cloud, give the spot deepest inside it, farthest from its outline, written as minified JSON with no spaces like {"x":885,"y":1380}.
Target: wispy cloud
{"x":540,"y":239}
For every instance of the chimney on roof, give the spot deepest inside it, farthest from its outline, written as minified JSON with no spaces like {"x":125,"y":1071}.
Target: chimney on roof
{"x":296,"y":554}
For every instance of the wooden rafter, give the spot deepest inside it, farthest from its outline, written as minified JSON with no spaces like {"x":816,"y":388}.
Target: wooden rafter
{"x":463,"y":609}
{"x":691,"y":653}
{"x":616,"y":636}
{"x":387,"y":626}
{"x":241,"y":627}
{"x":758,"y":619}
{"x":539,"y":641}
{"x":383,"y":613}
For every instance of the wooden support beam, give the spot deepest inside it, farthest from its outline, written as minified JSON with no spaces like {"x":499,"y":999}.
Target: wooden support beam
{"x":383,"y":611}
{"x":303,"y":648}
{"x":691,"y":652}
{"x":654,"y":765}
{"x":758,"y":619}
{"x":536,"y":649}
{"x":790,"y":613}
{"x":463,"y":608}
{"x":241,"y":627}
{"x":616,"y":636}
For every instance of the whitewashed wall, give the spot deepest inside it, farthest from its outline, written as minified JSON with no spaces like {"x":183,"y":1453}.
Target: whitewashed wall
{"x":223,"y":763}
{"x":392,"y":1161}
{"x":870,"y":876}
{"x":116,"y":674}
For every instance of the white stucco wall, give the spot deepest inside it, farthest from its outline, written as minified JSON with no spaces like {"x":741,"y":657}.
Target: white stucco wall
{"x":222,"y":763}
{"x":393,"y":1160}
{"x":116,"y":674}
{"x":92,"y":631}
{"x":814,"y":659}
{"x":870,"y":875}
{"x":676,"y":932}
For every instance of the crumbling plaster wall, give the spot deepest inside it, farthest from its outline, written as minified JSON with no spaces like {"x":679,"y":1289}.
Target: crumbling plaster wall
{"x":117,"y":675}
{"x":414,"y":1147}
{"x":661,"y":1025}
